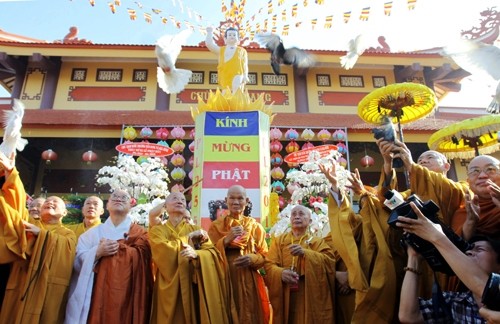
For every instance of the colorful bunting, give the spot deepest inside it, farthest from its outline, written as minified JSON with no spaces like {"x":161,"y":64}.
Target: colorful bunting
{"x":412,"y":4}
{"x":156,"y":11}
{"x":387,"y":8}
{"x":313,"y":23}
{"x":365,"y":13}
{"x":328,"y":22}
{"x":270,"y":7}
{"x":118,"y":2}
{"x":275,"y":18}
{"x":164,"y":20}
{"x":132,"y":14}
{"x":147,"y":17}
{"x":280,"y":2}
{"x":283,"y":15}
{"x":92,"y":2}
{"x":285,"y":30}
{"x":347,"y":15}
{"x":305,"y":3}
{"x":294,"y":10}
{"x":112,"y":7}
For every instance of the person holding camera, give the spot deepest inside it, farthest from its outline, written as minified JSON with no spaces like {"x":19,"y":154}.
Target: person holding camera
{"x":473,"y":268}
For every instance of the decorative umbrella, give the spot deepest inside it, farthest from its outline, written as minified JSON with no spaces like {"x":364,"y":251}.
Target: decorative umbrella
{"x":400,"y":102}
{"x":468,"y":138}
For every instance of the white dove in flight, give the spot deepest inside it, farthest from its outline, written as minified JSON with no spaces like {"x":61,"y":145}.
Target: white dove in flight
{"x":357,"y":46}
{"x":168,"y":47}
{"x":12,"y":121}
{"x":478,"y":58}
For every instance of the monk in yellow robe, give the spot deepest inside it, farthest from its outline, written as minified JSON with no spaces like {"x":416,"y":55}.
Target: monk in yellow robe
{"x":112,"y":281}
{"x":190,"y":284}
{"x":232,"y":71}
{"x":92,"y":210}
{"x":38,"y":286}
{"x":368,"y":259}
{"x":241,"y":241}
{"x":300,"y":274}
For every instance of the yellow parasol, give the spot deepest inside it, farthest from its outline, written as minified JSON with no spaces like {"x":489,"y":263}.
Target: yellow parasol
{"x":468,"y":138}
{"x":401,"y":102}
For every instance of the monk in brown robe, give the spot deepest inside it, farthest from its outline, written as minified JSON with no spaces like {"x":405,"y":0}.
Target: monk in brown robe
{"x":113,"y":280}
{"x":190,"y":284}
{"x":241,"y":241}
{"x":92,"y":210}
{"x":300,"y":274}
{"x":37,"y":286}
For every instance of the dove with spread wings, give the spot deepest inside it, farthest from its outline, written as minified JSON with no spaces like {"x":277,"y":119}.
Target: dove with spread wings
{"x":12,"y":122}
{"x":168,"y":47}
{"x":478,"y":58}
{"x":279,"y":55}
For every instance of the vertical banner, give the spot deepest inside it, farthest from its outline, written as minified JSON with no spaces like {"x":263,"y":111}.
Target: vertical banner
{"x":231,"y":148}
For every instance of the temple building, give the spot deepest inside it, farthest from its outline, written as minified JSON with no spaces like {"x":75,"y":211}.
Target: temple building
{"x":81,"y":96}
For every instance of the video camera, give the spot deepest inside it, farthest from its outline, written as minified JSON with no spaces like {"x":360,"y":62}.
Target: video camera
{"x":491,"y":293}
{"x":429,"y":209}
{"x":388,"y":133}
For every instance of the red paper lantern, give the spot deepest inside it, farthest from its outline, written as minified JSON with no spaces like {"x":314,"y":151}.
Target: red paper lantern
{"x":89,"y":157}
{"x":367,"y":161}
{"x":49,"y":156}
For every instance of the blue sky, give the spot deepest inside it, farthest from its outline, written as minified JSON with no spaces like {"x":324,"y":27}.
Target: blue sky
{"x":432,"y":23}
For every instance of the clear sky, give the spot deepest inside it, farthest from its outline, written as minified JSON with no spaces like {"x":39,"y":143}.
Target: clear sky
{"x":431,"y":23}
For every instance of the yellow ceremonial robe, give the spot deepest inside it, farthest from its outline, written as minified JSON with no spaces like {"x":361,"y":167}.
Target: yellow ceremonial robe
{"x":187,"y":291}
{"x":13,"y":212}
{"x":80,"y":228}
{"x":227,"y":70}
{"x":369,"y":262}
{"x":314,"y":302}
{"x":37,"y":289}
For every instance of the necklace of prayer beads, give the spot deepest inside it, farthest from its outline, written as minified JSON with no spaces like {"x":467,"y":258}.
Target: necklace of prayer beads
{"x":294,"y":258}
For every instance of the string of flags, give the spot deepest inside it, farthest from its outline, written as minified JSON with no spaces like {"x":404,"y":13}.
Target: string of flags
{"x":234,"y":11}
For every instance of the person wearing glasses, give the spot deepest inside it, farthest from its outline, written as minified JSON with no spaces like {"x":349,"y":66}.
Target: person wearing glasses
{"x":112,"y":279}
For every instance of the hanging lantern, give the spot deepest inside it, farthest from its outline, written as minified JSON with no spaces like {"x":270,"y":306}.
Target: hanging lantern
{"x":307,"y":134}
{"x":339,"y":136}
{"x":343,"y":162}
{"x":146,"y":132}
{"x":162,"y":133}
{"x":163,"y":143}
{"x":291,"y":134}
{"x":282,"y":202}
{"x":190,"y":175}
{"x":291,"y":187}
{"x":276,"y":159}
{"x":275,"y":134}
{"x":192,"y":134}
{"x":177,"y":160}
{"x":142,"y":159}
{"x":178,"y":132}
{"x":191,"y":146}
{"x":278,"y":187}
{"x":89,"y":157}
{"x":191,"y":160}
{"x":177,"y":188}
{"x":49,"y":156}
{"x":342,"y":148}
{"x":324,"y":135}
{"x":129,"y":133}
{"x":277,"y":173}
{"x":178,"y":174}
{"x":367,"y":161}
{"x":307,"y":145}
{"x":292,"y":147}
{"x":178,"y":146}
{"x":275,"y":146}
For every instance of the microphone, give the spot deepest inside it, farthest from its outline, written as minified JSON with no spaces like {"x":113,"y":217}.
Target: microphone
{"x":393,"y":199}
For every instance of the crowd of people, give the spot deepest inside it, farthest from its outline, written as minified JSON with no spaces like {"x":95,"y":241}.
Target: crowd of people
{"x":177,"y":272}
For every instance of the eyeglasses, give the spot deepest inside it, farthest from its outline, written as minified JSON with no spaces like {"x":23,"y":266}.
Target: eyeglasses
{"x":490,"y":170}
{"x":119,"y":198}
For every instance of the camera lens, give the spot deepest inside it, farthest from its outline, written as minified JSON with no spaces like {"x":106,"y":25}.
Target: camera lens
{"x":491,"y":293}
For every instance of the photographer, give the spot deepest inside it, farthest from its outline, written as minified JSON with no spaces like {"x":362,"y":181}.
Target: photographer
{"x":473,"y":268}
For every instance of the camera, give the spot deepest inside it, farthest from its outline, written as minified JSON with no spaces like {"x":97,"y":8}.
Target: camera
{"x":387,"y":132}
{"x":429,"y":209}
{"x":491,"y":293}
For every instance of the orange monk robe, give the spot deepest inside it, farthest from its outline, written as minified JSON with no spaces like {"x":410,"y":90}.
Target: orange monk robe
{"x":236,"y":65}
{"x":314,"y":300}
{"x":369,"y":263}
{"x":488,"y":223}
{"x":80,"y":228}
{"x":13,"y":212}
{"x":187,"y":291}
{"x":38,"y":287}
{"x":248,"y":288}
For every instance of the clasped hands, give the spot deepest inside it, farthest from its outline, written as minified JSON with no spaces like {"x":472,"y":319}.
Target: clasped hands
{"x":289,"y":276}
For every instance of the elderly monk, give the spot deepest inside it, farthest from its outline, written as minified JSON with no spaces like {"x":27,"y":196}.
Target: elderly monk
{"x":37,"y":286}
{"x":232,"y":70}
{"x":34,"y":207}
{"x":190,"y":284}
{"x":92,"y":210}
{"x":300,"y":274}
{"x":241,"y":241}
{"x":113,"y":280}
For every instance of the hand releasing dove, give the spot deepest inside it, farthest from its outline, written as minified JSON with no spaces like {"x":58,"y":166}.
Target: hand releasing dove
{"x":170,"y":79}
{"x":478,"y":58}
{"x":12,"y":121}
{"x":279,"y":55}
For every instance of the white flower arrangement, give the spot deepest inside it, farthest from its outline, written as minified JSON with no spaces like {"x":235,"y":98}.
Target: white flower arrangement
{"x":145,"y":182}
{"x":313,"y":188}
